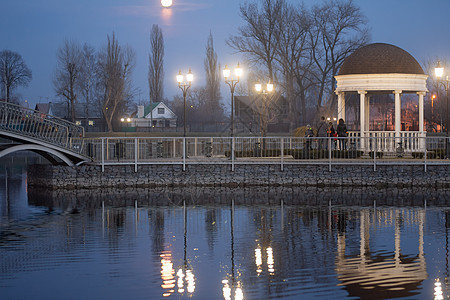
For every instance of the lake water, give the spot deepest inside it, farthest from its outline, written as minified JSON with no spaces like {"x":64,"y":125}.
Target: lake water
{"x":221,"y":243}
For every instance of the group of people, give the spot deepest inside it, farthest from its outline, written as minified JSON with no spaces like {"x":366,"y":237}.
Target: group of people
{"x":327,"y":130}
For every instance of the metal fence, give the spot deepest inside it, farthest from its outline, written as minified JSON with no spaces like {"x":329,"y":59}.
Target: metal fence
{"x":268,"y":150}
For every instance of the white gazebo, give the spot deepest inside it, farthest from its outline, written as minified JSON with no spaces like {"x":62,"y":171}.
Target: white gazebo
{"x":383,"y":69}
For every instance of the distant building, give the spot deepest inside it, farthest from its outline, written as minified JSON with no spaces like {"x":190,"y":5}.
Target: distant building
{"x":156,"y":115}
{"x":91,"y":119}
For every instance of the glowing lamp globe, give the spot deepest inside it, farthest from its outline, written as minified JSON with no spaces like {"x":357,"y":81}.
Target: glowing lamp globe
{"x":166,"y":3}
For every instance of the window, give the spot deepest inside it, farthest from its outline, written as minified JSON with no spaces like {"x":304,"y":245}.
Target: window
{"x":78,"y":123}
{"x":91,"y":123}
{"x":160,"y":110}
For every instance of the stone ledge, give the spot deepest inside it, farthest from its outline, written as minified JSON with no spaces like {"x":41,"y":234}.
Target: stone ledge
{"x":90,"y":177}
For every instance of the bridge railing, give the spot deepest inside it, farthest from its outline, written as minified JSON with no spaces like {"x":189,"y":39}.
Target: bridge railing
{"x":270,"y":150}
{"x":39,"y":126}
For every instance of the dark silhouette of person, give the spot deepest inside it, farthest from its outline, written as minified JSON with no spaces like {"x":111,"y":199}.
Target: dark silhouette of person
{"x":322,"y":133}
{"x":331,"y":133}
{"x":342,"y":134}
{"x":309,"y":133}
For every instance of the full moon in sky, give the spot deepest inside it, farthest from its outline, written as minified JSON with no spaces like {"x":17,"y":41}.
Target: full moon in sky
{"x":166,"y":3}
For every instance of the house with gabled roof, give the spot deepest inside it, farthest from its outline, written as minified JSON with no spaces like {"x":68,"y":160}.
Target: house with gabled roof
{"x":157,"y":115}
{"x":91,"y":119}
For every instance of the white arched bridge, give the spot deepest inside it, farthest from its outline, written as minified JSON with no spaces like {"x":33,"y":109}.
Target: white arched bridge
{"x":58,"y":140}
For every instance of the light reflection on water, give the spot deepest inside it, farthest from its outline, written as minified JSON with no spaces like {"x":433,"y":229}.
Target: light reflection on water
{"x":88,"y":245}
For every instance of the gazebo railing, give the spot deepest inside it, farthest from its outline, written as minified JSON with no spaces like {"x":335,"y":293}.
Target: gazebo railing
{"x":387,"y":141}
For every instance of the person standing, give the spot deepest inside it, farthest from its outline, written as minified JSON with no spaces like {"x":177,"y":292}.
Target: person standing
{"x":309,"y":134}
{"x":331,"y":134}
{"x":322,"y":133}
{"x":342,"y":134}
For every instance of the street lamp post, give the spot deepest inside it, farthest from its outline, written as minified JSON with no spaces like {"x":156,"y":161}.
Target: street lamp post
{"x":329,"y":119}
{"x":267,"y":90}
{"x":439,"y":72}
{"x":184,"y":86}
{"x":127,"y":120}
{"x":232,"y":84}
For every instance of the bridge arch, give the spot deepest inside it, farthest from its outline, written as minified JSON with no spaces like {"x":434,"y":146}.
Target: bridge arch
{"x":42,"y":150}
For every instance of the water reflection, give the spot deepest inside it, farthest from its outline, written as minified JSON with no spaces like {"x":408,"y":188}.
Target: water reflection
{"x":232,"y":292}
{"x":186,"y":277}
{"x":277,"y":196}
{"x":167,"y":274}
{"x":258,"y":260}
{"x":156,"y":243}
{"x":438,"y":295}
{"x":390,"y":273}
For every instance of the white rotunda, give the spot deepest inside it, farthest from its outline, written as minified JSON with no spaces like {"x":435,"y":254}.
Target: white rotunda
{"x":382,"y":69}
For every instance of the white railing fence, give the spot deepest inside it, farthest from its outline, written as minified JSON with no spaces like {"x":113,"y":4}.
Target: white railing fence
{"x":268,"y":150}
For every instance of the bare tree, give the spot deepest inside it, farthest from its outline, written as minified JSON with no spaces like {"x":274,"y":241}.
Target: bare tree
{"x":115,"y":66}
{"x":257,"y":38}
{"x":338,"y":30}
{"x":86,"y":82}
{"x":13,"y":72}
{"x":156,"y":64}
{"x":212,"y":68}
{"x":298,"y":49}
{"x":293,"y":57}
{"x":65,"y":80}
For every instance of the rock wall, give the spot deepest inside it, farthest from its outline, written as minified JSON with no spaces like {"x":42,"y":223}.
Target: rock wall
{"x":91,"y":176}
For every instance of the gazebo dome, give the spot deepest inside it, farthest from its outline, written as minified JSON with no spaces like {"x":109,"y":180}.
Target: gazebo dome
{"x":380,"y":58}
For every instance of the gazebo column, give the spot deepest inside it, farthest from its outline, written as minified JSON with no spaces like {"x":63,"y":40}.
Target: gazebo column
{"x":398,"y":113}
{"x":341,"y":105}
{"x":398,"y":120}
{"x":362,"y":116}
{"x":367,"y":115}
{"x":421,"y":123}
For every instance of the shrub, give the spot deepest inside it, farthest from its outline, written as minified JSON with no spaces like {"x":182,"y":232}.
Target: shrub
{"x":255,"y":153}
{"x":297,"y":153}
{"x":378,"y":153}
{"x":431,"y":154}
{"x":417,"y":155}
{"x":353,"y":153}
{"x":441,"y":153}
{"x":346,"y":153}
{"x":311,"y":154}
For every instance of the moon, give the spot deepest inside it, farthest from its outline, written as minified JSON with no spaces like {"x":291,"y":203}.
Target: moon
{"x":166,"y":3}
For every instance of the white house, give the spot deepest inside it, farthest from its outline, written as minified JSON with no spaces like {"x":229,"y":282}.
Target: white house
{"x":155,"y":115}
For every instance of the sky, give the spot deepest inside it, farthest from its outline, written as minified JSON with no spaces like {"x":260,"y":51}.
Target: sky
{"x":37,"y":28}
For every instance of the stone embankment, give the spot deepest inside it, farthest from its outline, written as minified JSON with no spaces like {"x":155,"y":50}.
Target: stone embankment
{"x":92,"y":177}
